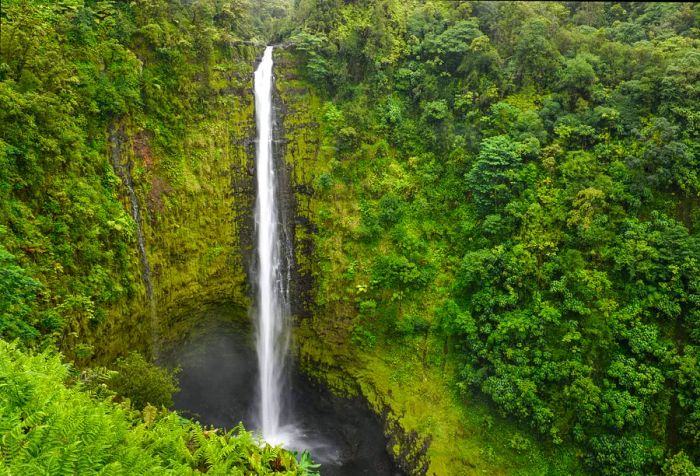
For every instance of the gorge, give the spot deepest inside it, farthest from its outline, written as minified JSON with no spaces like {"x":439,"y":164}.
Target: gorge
{"x":415,"y":237}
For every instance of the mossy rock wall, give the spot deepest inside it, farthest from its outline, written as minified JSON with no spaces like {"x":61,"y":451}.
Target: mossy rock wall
{"x":322,"y":340}
{"x":196,"y":201}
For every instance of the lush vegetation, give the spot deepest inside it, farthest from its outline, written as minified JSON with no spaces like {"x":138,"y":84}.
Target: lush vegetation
{"x":51,"y":424}
{"x":506,"y":196}
{"x":143,"y":382}
{"x":512,"y":191}
{"x":71,"y":72}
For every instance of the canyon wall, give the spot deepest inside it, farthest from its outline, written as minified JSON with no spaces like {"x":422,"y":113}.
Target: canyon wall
{"x":196,"y":217}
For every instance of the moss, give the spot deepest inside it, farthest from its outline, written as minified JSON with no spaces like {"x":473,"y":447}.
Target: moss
{"x":195,"y":211}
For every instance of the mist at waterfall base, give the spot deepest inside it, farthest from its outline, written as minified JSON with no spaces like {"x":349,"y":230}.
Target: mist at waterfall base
{"x":219,"y":380}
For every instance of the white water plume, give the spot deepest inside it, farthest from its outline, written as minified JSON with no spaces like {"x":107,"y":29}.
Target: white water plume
{"x":272,"y":306}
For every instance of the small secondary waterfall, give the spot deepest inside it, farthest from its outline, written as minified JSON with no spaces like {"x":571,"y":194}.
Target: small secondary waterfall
{"x":117,"y":137}
{"x":272,"y":305}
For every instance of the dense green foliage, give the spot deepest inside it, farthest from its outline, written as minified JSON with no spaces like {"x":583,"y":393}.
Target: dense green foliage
{"x":69,"y":72}
{"x":514,"y":189}
{"x":51,"y":425}
{"x":511,"y":193}
{"x":143,"y":382}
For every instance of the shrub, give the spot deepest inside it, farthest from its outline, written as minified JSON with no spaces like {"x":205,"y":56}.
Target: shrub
{"x":143,"y":382}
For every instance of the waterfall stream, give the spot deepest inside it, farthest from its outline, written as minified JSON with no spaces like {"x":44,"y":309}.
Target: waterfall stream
{"x":117,"y":137}
{"x":272,"y":306}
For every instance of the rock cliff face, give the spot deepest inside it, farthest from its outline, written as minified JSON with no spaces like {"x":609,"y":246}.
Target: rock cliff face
{"x":297,"y":141}
{"x":195,"y":217}
{"x":322,"y":335}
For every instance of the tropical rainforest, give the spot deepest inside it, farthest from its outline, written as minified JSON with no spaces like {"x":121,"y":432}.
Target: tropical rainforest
{"x":497,"y":227}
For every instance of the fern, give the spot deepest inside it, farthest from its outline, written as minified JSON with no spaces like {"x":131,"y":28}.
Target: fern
{"x":58,"y":429}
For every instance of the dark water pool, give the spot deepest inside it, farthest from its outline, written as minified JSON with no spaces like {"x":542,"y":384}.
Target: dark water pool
{"x":218,"y":384}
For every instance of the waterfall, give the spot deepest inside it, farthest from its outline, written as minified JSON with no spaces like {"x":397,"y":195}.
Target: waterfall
{"x":272,"y":305}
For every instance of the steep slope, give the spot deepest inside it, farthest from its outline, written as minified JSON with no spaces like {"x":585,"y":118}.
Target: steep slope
{"x":126,"y":150}
{"x":429,"y":429}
